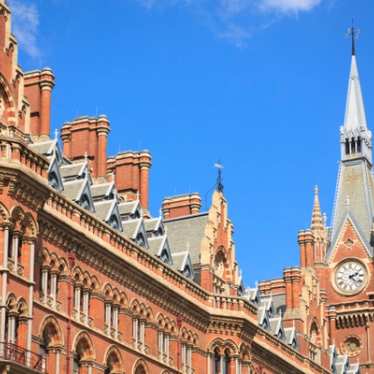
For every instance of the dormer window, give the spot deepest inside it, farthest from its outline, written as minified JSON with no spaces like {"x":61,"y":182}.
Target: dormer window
{"x":165,"y":256}
{"x":113,"y":222}
{"x":140,"y":240}
{"x":85,"y":202}
{"x":187,"y":272}
{"x":53,"y":180}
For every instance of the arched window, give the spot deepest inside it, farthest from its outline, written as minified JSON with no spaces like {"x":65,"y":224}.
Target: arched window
{"x":83,"y":352}
{"x":112,"y":364}
{"x":226,"y":362}
{"x":217,"y":362}
{"x":140,"y":370}
{"x":347,"y":148}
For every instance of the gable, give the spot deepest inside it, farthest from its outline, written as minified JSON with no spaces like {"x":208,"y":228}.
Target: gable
{"x":349,"y":243}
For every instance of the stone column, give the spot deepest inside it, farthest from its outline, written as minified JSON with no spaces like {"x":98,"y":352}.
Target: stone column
{"x":44,"y":282}
{"x":4,"y":281}
{"x":77,"y":301}
{"x":86,"y":298}
{"x":53,"y":288}
{"x":115,"y":320}
{"x":15,"y":242}
{"x":108,"y":317}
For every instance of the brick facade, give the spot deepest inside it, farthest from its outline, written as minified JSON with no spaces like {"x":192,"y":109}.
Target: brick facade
{"x":92,"y":283}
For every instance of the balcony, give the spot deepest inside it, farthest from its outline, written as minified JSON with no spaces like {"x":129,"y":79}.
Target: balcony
{"x":21,"y":360}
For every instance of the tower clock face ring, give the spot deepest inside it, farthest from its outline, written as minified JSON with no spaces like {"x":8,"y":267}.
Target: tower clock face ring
{"x":350,"y":276}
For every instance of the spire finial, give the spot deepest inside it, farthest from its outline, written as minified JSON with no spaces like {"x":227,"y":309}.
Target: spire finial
{"x":317,"y":219}
{"x":219,"y":184}
{"x":353,"y":32}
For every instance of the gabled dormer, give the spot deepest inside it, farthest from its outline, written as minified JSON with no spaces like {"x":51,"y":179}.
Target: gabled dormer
{"x":54,"y":176}
{"x":154,"y":227}
{"x":79,"y":191}
{"x":130,"y":210}
{"x":104,"y":191}
{"x":107,"y":210}
{"x":134,"y":229}
{"x":182,"y":262}
{"x":159,"y":246}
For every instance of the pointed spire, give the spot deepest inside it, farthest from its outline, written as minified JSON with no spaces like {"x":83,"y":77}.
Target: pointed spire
{"x":317,"y":218}
{"x":355,"y":118}
{"x":219,"y":184}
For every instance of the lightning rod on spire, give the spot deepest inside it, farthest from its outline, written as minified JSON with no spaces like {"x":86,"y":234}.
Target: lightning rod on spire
{"x":219,"y":184}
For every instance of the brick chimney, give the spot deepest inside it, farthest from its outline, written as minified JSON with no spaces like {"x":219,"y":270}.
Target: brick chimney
{"x":38,"y":90}
{"x":131,"y":171}
{"x":87,"y":137}
{"x":181,"y":205}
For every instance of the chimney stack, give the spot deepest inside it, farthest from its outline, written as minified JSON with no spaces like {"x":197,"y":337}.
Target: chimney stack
{"x":87,"y":137}
{"x":181,"y":205}
{"x":131,"y":170}
{"x":38,"y":90}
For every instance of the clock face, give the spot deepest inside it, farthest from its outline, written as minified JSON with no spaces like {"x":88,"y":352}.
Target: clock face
{"x":350,"y":276}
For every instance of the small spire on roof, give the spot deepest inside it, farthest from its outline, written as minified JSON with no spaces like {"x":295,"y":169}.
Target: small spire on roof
{"x":317,"y":220}
{"x":353,"y":32}
{"x":56,"y":134}
{"x":219,"y":184}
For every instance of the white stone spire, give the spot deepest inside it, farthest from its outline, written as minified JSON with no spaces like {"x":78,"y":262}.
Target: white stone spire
{"x":355,"y":137}
{"x":355,"y":118}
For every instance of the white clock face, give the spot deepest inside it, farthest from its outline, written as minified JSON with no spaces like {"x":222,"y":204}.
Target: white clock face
{"x":350,"y":276}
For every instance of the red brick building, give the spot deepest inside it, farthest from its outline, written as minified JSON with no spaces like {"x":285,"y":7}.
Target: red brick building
{"x":92,"y":283}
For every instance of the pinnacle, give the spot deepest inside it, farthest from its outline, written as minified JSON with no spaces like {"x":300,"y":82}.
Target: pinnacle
{"x":317,"y":218}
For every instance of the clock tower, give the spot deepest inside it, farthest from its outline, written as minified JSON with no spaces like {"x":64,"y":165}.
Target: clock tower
{"x":341,"y":256}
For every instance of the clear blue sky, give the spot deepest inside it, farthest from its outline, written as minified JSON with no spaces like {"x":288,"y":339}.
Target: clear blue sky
{"x":258,"y":84}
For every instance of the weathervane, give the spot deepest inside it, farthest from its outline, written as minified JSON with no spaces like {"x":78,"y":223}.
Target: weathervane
{"x":353,"y":32}
{"x":219,"y":184}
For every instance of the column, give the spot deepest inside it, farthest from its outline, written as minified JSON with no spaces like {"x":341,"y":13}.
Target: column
{"x":237,"y":365}
{"x":4,"y":281}
{"x":166,"y":337}
{"x":15,"y":242}
{"x":184,"y":357}
{"x":11,"y":328}
{"x":86,"y":298}
{"x":44,"y":282}
{"x":189,"y":358}
{"x":77,"y":302}
{"x":115,"y":320}
{"x":160,"y":344}
{"x":142,"y":333}
{"x":108,"y":317}
{"x":135,"y":331}
{"x":53,"y":288}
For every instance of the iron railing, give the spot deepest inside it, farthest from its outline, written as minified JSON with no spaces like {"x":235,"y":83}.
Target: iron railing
{"x":14,"y":353}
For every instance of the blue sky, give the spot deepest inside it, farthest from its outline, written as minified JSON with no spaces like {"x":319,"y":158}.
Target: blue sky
{"x":258,"y":84}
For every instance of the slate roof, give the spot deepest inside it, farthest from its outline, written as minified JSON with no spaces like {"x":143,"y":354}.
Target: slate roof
{"x":101,"y":190}
{"x":104,"y":208}
{"x":179,"y":260}
{"x":187,"y":233}
{"x":128,"y":207}
{"x":73,"y":170}
{"x":73,"y":189}
{"x":44,"y":148}
{"x":131,"y":227}
{"x":156,"y":244}
{"x":152,"y":224}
